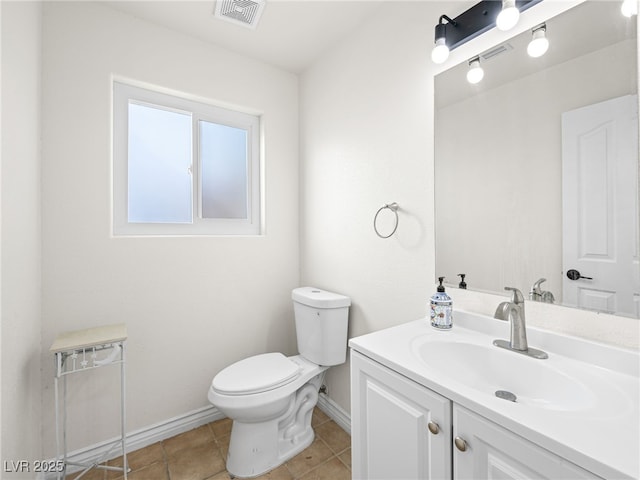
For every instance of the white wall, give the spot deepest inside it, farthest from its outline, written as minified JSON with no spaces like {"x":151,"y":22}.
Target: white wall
{"x":20,"y":270}
{"x":366,"y":117}
{"x":192,"y":305}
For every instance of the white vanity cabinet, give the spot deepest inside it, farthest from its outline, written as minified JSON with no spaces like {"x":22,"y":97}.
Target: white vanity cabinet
{"x":403,"y":430}
{"x":483,"y":450}
{"x":399,"y":429}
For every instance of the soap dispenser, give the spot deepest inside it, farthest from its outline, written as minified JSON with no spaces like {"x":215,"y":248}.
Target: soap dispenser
{"x":441,"y":308}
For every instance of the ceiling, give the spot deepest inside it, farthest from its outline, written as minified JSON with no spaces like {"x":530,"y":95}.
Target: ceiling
{"x":291,"y":34}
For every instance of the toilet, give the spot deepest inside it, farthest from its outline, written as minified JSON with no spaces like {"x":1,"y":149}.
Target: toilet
{"x":270,"y":397}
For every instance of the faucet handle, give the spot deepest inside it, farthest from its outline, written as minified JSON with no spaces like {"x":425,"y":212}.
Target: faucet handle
{"x":536,"y":286}
{"x":516,"y":295}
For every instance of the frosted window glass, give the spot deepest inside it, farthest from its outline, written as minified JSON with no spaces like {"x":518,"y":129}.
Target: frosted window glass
{"x":183,"y":167}
{"x":223,"y":159}
{"x":159,"y":167}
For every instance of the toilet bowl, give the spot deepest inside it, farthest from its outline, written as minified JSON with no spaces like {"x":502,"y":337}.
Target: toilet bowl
{"x":270,"y":397}
{"x":272,"y":425}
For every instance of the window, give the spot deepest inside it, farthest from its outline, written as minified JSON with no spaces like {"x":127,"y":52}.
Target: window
{"x":181,"y":167}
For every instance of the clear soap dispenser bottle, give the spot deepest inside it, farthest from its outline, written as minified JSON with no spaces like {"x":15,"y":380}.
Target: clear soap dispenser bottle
{"x":441,"y":308}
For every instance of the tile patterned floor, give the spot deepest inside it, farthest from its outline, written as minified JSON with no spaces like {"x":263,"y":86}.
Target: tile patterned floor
{"x":200,"y":455}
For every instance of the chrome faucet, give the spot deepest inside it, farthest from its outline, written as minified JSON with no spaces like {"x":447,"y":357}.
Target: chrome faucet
{"x":513,"y":312}
{"x":538,"y":295}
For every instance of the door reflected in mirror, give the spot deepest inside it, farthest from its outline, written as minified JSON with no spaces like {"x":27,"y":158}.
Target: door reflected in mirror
{"x":536,"y":169}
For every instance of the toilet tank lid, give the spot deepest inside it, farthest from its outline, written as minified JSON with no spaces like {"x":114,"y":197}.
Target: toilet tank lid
{"x":315,"y":297}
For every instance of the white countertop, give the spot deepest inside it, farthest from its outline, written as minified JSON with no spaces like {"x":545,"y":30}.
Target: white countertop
{"x":603,"y":438}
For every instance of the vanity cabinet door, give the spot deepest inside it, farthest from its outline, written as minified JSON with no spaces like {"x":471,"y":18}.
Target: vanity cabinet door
{"x":491,"y":451}
{"x":399,"y":429}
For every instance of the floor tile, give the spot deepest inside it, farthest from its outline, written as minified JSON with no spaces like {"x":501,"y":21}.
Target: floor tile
{"x":313,"y":456}
{"x":187,"y":440}
{"x":196,"y":463}
{"x":318,"y":417}
{"x":334,"y":469}
{"x":222,"y":427}
{"x":346,"y":457}
{"x":146,"y":456}
{"x":137,"y":459}
{"x":222,"y":476}
{"x":334,"y":436}
{"x":280,"y":473}
{"x":155,"y":471}
{"x":223,"y":445}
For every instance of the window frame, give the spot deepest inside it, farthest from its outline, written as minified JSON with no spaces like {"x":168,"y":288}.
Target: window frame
{"x":123,"y":94}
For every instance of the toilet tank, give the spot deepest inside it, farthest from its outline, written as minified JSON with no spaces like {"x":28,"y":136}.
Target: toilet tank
{"x":321,"y":325}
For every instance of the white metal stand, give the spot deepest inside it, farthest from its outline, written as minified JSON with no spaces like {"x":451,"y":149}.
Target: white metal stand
{"x":82,"y":350}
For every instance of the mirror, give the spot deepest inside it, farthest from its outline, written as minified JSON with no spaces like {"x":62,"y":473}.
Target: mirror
{"x":503,"y":165}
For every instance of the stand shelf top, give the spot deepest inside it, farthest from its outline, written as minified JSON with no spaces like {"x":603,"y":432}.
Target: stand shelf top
{"x":89,"y":337}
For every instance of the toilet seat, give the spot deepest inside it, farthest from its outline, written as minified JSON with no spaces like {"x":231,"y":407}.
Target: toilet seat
{"x":256,"y":374}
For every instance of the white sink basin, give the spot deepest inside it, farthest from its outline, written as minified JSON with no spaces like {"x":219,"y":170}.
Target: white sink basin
{"x":535,"y":383}
{"x":555,"y":383}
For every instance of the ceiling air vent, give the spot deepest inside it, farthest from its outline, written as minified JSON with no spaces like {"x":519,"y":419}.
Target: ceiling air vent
{"x":241,"y":12}
{"x":505,"y":47}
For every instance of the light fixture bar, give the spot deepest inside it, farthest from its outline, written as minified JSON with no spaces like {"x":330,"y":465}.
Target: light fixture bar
{"x":479,"y":19}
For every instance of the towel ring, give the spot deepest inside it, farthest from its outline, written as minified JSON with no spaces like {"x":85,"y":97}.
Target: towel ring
{"x":394,"y":208}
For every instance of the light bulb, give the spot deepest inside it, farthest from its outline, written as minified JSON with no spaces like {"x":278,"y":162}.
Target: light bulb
{"x":475,"y":73}
{"x":629,"y":8}
{"x":440,"y":52}
{"x":508,"y":16}
{"x":539,"y":44}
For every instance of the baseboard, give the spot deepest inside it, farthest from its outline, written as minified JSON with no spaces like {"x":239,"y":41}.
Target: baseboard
{"x":335,"y":412}
{"x":145,"y":436}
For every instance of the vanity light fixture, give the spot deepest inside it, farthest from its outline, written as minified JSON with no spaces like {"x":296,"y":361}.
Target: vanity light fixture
{"x":629,"y":8}
{"x":440,"y":52}
{"x":539,"y":44}
{"x":478,"y":19}
{"x":508,"y":16}
{"x":475,"y":73}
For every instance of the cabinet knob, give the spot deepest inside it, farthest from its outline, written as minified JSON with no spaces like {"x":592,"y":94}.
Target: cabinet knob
{"x":460,"y":444}
{"x":434,"y":428}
